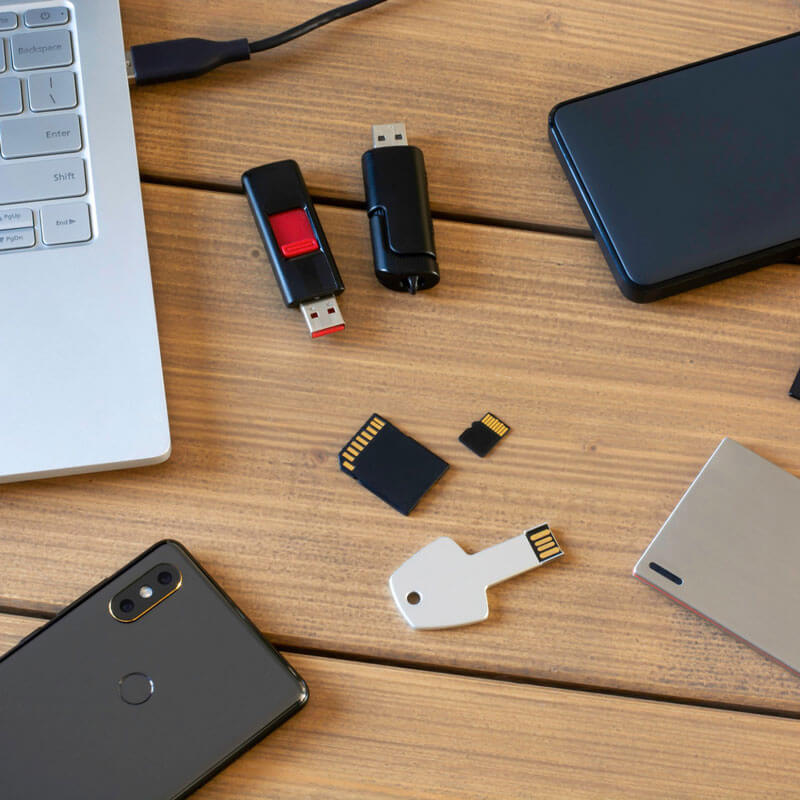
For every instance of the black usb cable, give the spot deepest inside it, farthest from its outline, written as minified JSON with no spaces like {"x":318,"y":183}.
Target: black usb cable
{"x":178,"y":59}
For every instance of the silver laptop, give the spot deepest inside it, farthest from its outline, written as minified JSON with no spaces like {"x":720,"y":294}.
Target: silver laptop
{"x":730,"y":551}
{"x":81,"y":387}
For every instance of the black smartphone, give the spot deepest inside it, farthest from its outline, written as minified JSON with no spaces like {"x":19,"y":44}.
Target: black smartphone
{"x":691,"y":175}
{"x":142,"y":689}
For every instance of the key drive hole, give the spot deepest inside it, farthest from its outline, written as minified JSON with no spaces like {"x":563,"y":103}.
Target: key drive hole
{"x":413,"y":598}
{"x":670,"y":576}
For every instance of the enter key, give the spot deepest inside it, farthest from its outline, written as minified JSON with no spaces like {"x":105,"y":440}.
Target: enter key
{"x":40,"y":136}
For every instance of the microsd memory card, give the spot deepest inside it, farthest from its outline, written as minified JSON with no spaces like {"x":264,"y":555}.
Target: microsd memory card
{"x":390,"y":464}
{"x":484,"y":434}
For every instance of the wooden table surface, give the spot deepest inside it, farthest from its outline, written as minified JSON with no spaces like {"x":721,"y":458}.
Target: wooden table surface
{"x":582,"y":683}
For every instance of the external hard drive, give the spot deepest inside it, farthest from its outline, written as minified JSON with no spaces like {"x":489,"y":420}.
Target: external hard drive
{"x":730,"y":551}
{"x":690,"y":176}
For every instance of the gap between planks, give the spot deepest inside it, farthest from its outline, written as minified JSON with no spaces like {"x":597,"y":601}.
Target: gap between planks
{"x":498,"y":677}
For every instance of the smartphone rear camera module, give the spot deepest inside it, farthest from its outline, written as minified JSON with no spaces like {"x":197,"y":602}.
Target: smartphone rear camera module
{"x":153,"y":587}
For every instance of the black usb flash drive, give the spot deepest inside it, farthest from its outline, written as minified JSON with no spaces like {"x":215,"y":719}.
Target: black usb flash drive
{"x":298,"y":251}
{"x":399,"y":211}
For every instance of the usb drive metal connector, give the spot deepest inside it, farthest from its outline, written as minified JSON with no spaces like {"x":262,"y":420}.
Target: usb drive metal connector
{"x":391,"y":135}
{"x":322,"y":316}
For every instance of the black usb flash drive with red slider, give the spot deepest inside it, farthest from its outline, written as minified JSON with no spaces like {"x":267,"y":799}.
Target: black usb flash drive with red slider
{"x":300,"y":255}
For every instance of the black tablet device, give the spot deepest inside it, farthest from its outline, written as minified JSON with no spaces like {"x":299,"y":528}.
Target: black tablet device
{"x":691,"y":175}
{"x":141,"y":690}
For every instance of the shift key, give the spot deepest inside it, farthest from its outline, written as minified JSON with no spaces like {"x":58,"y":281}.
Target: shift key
{"x":25,"y":182}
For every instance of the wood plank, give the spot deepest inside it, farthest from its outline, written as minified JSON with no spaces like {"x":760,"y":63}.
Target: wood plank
{"x":614,"y":408}
{"x":474,"y":88}
{"x":382,"y":732}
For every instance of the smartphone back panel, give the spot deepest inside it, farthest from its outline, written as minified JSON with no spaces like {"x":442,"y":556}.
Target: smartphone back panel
{"x":691,"y":175}
{"x":730,"y":551}
{"x":202,"y":685}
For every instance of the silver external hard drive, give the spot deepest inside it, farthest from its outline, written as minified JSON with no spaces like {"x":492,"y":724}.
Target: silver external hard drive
{"x":730,"y":551}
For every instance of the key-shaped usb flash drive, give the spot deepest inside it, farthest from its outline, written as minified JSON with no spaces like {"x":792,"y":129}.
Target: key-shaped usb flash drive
{"x":442,"y":587}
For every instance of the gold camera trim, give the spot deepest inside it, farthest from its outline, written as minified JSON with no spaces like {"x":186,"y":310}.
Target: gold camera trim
{"x":149,"y":608}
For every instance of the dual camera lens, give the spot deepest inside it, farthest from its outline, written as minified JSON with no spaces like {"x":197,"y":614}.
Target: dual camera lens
{"x":151,"y":588}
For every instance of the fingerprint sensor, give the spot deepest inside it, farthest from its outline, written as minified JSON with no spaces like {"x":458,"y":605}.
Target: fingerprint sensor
{"x":136,"y":688}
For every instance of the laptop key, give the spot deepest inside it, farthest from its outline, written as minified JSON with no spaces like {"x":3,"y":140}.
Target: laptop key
{"x":52,"y":91}
{"x":2,"y":56}
{"x":41,"y":17}
{"x":66,"y":224}
{"x":41,"y":50}
{"x":24,"y":182}
{"x":40,"y":136}
{"x":16,"y":240}
{"x":8,"y":21}
{"x":16,"y":218}
{"x":10,"y":96}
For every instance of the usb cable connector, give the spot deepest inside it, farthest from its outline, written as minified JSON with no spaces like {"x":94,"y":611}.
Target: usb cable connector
{"x":322,"y":316}
{"x":178,"y":59}
{"x":129,"y":70}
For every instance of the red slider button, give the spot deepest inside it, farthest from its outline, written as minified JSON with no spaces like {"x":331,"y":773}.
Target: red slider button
{"x":293,"y":232}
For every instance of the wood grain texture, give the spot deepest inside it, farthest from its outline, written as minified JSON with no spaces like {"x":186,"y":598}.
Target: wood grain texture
{"x":614,"y":408}
{"x":474,"y":82}
{"x":381,"y":732}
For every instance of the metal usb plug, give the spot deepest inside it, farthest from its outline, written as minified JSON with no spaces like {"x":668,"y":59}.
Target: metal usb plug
{"x":391,"y":135}
{"x":129,"y":70}
{"x":322,"y":316}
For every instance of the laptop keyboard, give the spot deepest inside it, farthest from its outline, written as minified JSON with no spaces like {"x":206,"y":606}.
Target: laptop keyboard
{"x":43,"y":160}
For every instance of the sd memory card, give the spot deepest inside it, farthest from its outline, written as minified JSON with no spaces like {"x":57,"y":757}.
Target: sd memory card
{"x":390,"y":464}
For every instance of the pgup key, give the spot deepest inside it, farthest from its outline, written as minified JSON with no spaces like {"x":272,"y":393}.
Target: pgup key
{"x":441,"y":586}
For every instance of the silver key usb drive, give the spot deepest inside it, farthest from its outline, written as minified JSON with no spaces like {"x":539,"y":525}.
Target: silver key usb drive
{"x":442,"y":587}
